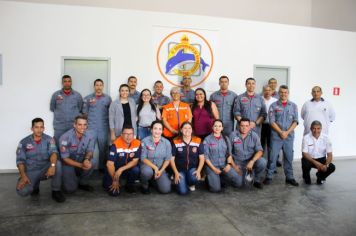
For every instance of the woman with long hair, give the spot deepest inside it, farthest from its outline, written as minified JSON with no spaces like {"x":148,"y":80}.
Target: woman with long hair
{"x":156,"y":153}
{"x":187,"y":159}
{"x":122,"y":112}
{"x":147,"y":112}
{"x":204,"y":113}
{"x":218,"y":159}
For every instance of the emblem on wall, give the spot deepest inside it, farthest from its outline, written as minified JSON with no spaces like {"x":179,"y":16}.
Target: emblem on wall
{"x":184,"y":53}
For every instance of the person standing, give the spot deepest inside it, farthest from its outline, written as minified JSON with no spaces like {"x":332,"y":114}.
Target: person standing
{"x":96,"y":107}
{"x":272,"y":82}
{"x":283,"y":118}
{"x":132,"y":83}
{"x":158,"y":98}
{"x":122,"y":112}
{"x":187,"y":93}
{"x":204,"y":113}
{"x":66,"y":104}
{"x":317,"y":109}
{"x":224,"y":100}
{"x":251,"y":105}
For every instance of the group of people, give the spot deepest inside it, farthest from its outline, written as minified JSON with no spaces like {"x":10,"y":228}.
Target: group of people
{"x":180,"y":141}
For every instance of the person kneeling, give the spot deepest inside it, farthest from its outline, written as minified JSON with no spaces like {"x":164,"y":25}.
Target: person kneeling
{"x":188,"y":159}
{"x":122,"y":165}
{"x":317,"y":153}
{"x":36,"y":159}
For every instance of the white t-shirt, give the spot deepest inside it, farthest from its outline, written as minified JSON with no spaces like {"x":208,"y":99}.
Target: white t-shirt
{"x":316,"y":148}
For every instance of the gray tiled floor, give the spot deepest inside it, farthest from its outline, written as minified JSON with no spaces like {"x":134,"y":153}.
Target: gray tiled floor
{"x":278,"y":209}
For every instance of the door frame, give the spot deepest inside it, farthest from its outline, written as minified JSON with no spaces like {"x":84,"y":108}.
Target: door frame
{"x":108,"y":59}
{"x":255,"y":67}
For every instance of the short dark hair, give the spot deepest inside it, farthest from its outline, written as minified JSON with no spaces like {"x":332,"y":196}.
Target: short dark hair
{"x":158,"y":82}
{"x":244,"y":119}
{"x":283,"y":86}
{"x":36,"y":120}
{"x":98,"y":80}
{"x":156,"y":122}
{"x":224,"y":77}
{"x":248,"y":79}
{"x":131,"y":77}
{"x":66,"y":77}
{"x":80,"y":117}
{"x":271,"y":80}
{"x":316,"y":123}
{"x":127,"y":127}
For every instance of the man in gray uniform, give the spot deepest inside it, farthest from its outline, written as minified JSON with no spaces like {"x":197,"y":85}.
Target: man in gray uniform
{"x":283,"y":118}
{"x":251,"y":105}
{"x":36,"y":159}
{"x":132,"y":83}
{"x":224,"y":100}
{"x":187,"y":94}
{"x":76,"y":148}
{"x":247,"y":152}
{"x":96,"y":107}
{"x":158,"y":98}
{"x":66,"y":105}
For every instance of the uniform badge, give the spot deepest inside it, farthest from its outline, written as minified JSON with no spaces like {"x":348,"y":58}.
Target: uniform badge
{"x":132,"y":154}
{"x":64,"y":142}
{"x":121,"y":154}
{"x":194,"y":149}
{"x":63,"y":149}
{"x":59,"y":97}
{"x":112,"y":153}
{"x":237,"y":141}
{"x":180,"y":149}
{"x":244,"y":99}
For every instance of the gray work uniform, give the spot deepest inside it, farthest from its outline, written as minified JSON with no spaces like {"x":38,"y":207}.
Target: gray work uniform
{"x":36,"y":159}
{"x":76,"y":149}
{"x":157,"y":154}
{"x":65,"y":109}
{"x":187,"y":96}
{"x":135,"y":96}
{"x":243,"y":150}
{"x":116,"y":116}
{"x":284,"y":117}
{"x":225,"y":105}
{"x":217,"y":151}
{"x":97,"y":109}
{"x":160,"y":100}
{"x":251,"y":108}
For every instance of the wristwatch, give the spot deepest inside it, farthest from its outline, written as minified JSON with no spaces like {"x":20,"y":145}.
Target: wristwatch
{"x":53,"y":165}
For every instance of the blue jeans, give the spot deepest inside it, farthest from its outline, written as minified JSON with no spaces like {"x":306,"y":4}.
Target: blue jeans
{"x":143,"y":132}
{"x":187,"y":178}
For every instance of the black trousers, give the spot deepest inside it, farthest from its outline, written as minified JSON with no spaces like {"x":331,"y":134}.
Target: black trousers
{"x":307,"y":165}
{"x":266,"y":139}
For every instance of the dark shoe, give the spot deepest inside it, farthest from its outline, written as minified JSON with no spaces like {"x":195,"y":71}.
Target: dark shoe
{"x":267,"y":181}
{"x":292,"y":182}
{"x":58,"y":196}
{"x":319,"y":181}
{"x":279,"y":164}
{"x":87,"y":188}
{"x":35,"y":192}
{"x":130,"y":188}
{"x":307,"y":181}
{"x":258,"y":185}
{"x":145,"y":190}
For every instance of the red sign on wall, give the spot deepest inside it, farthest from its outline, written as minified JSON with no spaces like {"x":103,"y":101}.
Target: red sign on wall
{"x":336,"y":91}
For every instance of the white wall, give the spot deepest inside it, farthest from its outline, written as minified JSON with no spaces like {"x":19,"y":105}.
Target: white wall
{"x":33,"y":37}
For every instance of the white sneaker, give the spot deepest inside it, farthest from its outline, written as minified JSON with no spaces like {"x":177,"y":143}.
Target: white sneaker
{"x":192,"y":188}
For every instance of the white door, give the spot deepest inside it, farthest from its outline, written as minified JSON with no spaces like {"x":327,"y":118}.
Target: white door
{"x":84,"y":71}
{"x":262,"y":73}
